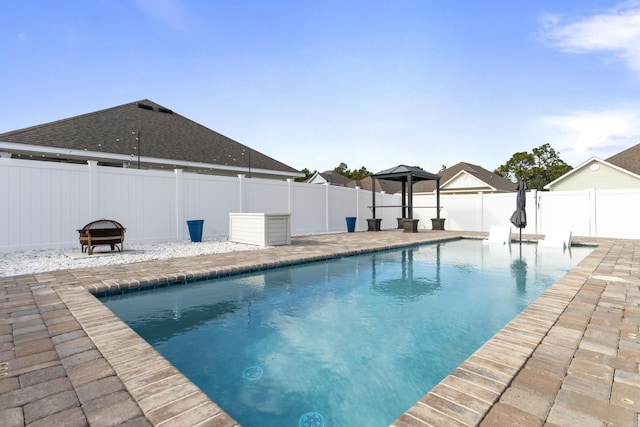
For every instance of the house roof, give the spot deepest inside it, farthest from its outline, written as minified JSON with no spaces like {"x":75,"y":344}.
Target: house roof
{"x":475,"y":178}
{"x":628,"y":159}
{"x":332,"y":177}
{"x":389,"y":187}
{"x":162,"y":138}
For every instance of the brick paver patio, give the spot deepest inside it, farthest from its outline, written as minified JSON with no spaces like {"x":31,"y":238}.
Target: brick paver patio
{"x":571,"y":358}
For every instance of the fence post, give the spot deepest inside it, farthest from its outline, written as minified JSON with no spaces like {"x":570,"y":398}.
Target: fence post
{"x":290,"y":204}
{"x":481,"y":207}
{"x":358,"y":220}
{"x":534,"y":193}
{"x":179,"y":204}
{"x":241,"y":185}
{"x":93,"y":189}
{"x":326,"y":207}
{"x":289,"y":195}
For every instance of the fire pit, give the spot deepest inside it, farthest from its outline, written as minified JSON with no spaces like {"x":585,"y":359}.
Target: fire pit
{"x":102,"y":232}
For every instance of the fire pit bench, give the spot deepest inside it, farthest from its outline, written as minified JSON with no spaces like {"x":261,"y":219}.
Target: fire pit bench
{"x":101,"y":232}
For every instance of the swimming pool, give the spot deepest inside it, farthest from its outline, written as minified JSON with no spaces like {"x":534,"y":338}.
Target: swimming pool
{"x":350,"y":341}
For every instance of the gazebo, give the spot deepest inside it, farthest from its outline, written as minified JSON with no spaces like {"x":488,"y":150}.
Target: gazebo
{"x":407,"y":175}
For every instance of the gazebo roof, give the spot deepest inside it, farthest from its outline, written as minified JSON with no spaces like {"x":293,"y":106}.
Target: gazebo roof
{"x":403,"y":172}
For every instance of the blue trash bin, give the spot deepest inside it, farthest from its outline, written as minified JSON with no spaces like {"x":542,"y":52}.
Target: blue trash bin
{"x":195,"y":229}
{"x":351,"y":224}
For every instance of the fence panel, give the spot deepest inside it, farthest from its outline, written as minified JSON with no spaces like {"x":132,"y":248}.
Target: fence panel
{"x":342,"y":203}
{"x":41,"y":203}
{"x":362,"y":205}
{"x":564,"y":210}
{"x":142,"y":201}
{"x":615,"y":213}
{"x":308,"y":213}
{"x":266,"y":196}
{"x":210,"y":198}
{"x":460,"y":211}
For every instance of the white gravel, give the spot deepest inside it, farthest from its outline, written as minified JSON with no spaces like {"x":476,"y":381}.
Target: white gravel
{"x":13,"y":263}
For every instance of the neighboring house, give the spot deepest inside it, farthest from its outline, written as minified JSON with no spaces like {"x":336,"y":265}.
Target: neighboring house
{"x":142,"y":135}
{"x":618,"y":172}
{"x":389,"y":187}
{"x":465,"y":178}
{"x":331,"y":177}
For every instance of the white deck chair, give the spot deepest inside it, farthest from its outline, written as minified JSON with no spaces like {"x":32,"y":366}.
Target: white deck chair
{"x":556,"y":239}
{"x":498,"y":234}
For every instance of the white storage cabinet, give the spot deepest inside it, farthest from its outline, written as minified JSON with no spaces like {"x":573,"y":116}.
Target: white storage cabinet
{"x":260,"y":229}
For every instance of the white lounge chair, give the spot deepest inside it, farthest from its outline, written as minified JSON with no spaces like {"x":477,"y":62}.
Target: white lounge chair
{"x":498,"y":234}
{"x":556,"y":239}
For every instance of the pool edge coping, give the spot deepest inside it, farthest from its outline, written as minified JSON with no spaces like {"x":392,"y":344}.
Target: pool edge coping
{"x":157,"y":412}
{"x":103,"y":329}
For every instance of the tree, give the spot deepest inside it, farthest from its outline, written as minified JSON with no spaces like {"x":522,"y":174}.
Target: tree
{"x":538,"y":168}
{"x":518,"y":167}
{"x":343,"y":169}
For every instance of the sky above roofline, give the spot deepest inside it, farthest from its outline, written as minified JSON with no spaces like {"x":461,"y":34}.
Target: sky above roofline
{"x":367,"y":83}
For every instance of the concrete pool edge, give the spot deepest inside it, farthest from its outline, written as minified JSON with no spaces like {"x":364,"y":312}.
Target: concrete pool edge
{"x":468,"y":395}
{"x":167,"y":398}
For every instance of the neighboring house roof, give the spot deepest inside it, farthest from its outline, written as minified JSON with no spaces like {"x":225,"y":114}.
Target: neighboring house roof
{"x":628,"y":159}
{"x":467,"y":178}
{"x":161,"y":137}
{"x":598,"y":174}
{"x":389,"y":187}
{"x":331,"y":177}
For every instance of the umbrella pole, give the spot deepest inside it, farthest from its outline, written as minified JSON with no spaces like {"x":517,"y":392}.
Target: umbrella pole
{"x":521,"y":236}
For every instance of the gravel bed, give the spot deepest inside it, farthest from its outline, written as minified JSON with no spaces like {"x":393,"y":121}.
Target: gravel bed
{"x":14,"y":263}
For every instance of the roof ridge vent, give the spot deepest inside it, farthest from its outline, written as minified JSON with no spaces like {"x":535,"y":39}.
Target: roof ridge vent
{"x":144,"y":106}
{"x":165,"y":110}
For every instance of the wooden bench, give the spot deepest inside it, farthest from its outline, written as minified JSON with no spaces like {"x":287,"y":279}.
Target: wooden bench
{"x":102,"y":232}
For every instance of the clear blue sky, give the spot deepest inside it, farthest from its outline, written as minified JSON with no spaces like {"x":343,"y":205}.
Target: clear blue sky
{"x":315,"y":83}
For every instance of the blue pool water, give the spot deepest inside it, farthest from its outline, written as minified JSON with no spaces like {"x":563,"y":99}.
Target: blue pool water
{"x":352,"y":341}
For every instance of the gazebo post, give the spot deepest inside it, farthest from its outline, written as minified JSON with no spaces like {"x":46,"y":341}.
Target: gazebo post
{"x":438,"y":198}
{"x":404,"y":200}
{"x":373,"y":196}
{"x":373,"y":224}
{"x":410,"y":179}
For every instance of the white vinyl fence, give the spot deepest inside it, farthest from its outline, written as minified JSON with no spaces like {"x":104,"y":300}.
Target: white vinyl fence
{"x":42,"y":204}
{"x":590,"y":213}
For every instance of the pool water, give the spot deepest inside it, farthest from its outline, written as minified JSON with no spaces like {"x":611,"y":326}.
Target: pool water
{"x":352,"y":341}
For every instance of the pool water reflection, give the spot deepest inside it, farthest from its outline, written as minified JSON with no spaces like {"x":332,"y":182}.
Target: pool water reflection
{"x":348,"y":341}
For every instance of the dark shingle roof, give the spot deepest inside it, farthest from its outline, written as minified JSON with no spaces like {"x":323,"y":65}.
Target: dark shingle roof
{"x":164,"y":134}
{"x":492,"y":180}
{"x":335,"y":178}
{"x":390,"y":187}
{"x":628,"y":159}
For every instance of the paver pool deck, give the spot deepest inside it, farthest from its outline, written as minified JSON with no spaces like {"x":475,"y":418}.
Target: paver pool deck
{"x":571,"y":358}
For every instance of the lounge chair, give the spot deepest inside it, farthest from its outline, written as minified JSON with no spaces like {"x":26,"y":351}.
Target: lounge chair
{"x":556,"y":239}
{"x":498,"y":234}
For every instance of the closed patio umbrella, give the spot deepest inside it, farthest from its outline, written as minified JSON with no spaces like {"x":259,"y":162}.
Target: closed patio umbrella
{"x":519,"y":217}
